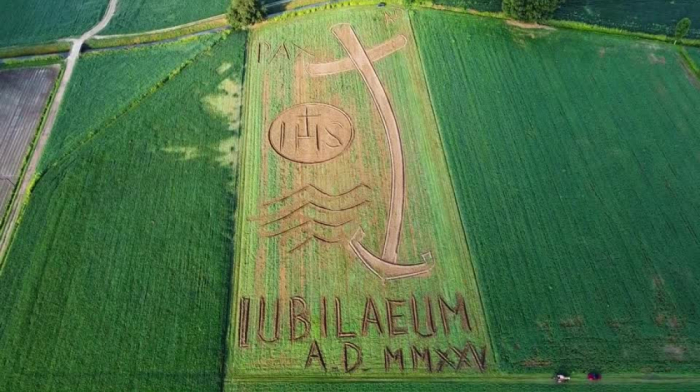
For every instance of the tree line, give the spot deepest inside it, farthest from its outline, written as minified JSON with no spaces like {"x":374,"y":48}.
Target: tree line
{"x":243,"y":13}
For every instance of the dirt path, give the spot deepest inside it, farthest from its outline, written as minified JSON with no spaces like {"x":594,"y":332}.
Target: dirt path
{"x":45,"y":132}
{"x":387,"y":266}
{"x":164,"y":30}
{"x":345,"y":64}
{"x":361,"y":61}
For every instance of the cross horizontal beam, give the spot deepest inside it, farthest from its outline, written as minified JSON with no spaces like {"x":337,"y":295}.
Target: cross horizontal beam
{"x":345,"y":64}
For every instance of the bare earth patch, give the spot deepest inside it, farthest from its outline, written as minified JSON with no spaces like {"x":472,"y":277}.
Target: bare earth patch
{"x":528,"y":26}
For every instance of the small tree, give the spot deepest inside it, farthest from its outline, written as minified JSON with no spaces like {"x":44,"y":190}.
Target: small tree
{"x":531,"y":10}
{"x":243,"y":13}
{"x":682,"y":29}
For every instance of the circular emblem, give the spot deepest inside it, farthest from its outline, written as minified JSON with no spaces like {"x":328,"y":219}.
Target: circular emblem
{"x":311,"y":133}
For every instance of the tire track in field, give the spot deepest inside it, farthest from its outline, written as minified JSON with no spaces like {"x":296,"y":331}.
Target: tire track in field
{"x":15,"y":208}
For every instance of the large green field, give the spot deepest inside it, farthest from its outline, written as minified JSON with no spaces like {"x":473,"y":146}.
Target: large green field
{"x":122,"y":77}
{"x":577,"y":176}
{"x":358,"y":198}
{"x":134,"y":16}
{"x":118,"y":278}
{"x":651,"y":16}
{"x":33,"y":21}
{"x":280,"y":258}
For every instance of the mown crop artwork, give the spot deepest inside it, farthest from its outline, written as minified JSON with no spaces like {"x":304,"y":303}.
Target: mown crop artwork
{"x":233,"y":195}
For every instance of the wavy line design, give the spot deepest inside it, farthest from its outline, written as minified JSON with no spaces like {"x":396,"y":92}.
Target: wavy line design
{"x":286,"y":213}
{"x":306,"y":223}
{"x":315,"y":189}
{"x":328,"y":241}
{"x":337,"y":209}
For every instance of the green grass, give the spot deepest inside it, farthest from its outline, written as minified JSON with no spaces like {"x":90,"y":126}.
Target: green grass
{"x":104,"y":84}
{"x":135,"y":16}
{"x":577,"y":175}
{"x":694,"y":55}
{"x":35,"y":50}
{"x":649,"y":16}
{"x":268,"y":267}
{"x":476,"y":386}
{"x":35,"y":61}
{"x":124,"y":40}
{"x":25,"y":22}
{"x":118,"y":277}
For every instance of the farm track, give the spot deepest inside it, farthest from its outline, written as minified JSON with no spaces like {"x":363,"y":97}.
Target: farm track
{"x":16,"y":207}
{"x":157,"y":31}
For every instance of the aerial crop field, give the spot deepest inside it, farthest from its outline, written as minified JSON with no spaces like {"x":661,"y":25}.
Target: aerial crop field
{"x":578,"y":179}
{"x":651,"y":16}
{"x":134,"y":16}
{"x":350,"y":255}
{"x":352,"y":198}
{"x":23,"y":96}
{"x":118,"y":277}
{"x":34,"y":21}
{"x":123,"y":76}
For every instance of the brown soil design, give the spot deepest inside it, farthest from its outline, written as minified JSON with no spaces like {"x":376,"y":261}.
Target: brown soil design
{"x":376,"y":53}
{"x":387,"y":266}
{"x":311,"y":133}
{"x":346,"y":35}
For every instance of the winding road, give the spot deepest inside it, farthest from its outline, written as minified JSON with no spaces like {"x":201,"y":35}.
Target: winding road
{"x":45,"y":132}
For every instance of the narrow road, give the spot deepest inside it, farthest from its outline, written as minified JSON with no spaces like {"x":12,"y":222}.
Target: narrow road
{"x":164,"y":30}
{"x":45,"y":132}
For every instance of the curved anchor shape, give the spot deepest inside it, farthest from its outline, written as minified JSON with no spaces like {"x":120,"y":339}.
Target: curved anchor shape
{"x":386,"y":267}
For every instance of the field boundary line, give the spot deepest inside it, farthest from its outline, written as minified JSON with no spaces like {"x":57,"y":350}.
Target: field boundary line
{"x":579,"y":379}
{"x":63,"y":45}
{"x":565,"y":24}
{"x":144,"y":44}
{"x":472,"y":260}
{"x":127,"y":108}
{"x":25,"y":162}
{"x":56,"y":47}
{"x":218,"y":22}
{"x":163,"y":30}
{"x":693,"y":67}
{"x":236,"y":276}
{"x":28,"y":179}
{"x":592,"y":28}
{"x":233,"y":266}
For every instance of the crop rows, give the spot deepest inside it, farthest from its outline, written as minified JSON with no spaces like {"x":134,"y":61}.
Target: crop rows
{"x":25,"y":22}
{"x":118,"y":277}
{"x":272,"y":266}
{"x":650,"y":16}
{"x":134,"y":16}
{"x":577,"y":178}
{"x":121,"y":77}
{"x":23,"y":96}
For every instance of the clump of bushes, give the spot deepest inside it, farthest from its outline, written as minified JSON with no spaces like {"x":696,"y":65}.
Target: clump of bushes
{"x":531,"y":10}
{"x":244,"y":13}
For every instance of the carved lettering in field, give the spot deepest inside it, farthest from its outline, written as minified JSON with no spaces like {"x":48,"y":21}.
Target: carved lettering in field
{"x":286,"y":51}
{"x":311,"y":133}
{"x":391,"y":17}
